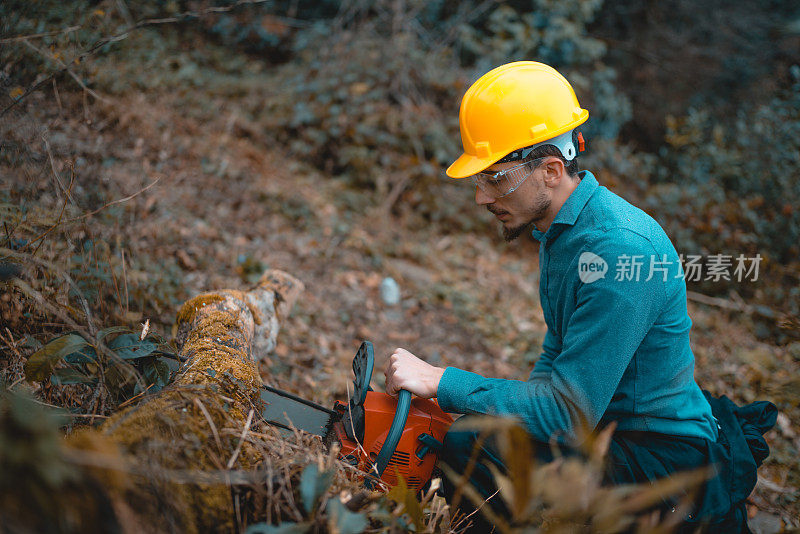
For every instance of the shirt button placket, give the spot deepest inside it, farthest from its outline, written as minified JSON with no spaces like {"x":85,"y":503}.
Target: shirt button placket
{"x":544,"y":279}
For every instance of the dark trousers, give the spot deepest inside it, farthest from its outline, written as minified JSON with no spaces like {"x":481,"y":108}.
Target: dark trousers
{"x":633,"y":457}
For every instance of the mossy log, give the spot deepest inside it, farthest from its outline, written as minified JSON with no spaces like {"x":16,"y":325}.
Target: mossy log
{"x":181,"y":444}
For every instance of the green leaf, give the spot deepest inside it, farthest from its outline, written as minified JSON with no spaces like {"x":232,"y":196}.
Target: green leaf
{"x":86,"y":355}
{"x":105,"y":332}
{"x":120,"y":375}
{"x":42,"y":362}
{"x":283,"y":528}
{"x":347,"y":522}
{"x":171,"y":362}
{"x":130,"y":347}
{"x":68,"y":375}
{"x":156,"y":372}
{"x":313,"y":484}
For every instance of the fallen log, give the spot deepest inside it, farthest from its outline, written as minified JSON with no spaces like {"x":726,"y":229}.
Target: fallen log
{"x":180,"y":445}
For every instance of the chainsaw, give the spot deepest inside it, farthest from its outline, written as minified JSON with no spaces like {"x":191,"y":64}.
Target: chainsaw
{"x":386,"y":437}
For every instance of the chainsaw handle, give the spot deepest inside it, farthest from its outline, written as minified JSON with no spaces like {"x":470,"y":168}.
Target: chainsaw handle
{"x":395,"y":431}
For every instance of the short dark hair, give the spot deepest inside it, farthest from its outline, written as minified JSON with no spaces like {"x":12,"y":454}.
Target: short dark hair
{"x":551,"y":150}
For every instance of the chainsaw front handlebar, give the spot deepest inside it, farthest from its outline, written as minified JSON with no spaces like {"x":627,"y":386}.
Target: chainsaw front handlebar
{"x":395,"y":431}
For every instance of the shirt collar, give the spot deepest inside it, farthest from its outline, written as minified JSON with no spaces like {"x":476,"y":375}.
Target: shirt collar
{"x":571,"y":208}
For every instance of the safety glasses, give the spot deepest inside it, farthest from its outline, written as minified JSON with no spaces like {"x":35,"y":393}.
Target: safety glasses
{"x":502,"y":183}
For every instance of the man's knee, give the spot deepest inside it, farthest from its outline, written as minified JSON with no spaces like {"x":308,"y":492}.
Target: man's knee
{"x":458,"y":446}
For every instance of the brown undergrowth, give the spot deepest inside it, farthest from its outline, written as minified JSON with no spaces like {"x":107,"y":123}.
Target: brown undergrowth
{"x":225,"y":207}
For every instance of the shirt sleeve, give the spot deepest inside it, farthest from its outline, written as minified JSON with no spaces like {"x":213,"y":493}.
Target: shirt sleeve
{"x":610,"y":319}
{"x":551,"y":347}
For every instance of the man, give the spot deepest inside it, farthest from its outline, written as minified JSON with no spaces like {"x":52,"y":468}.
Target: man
{"x":611,"y":289}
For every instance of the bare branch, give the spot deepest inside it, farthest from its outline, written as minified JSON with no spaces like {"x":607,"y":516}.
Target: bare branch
{"x":65,"y":191}
{"x":118,"y":201}
{"x":207,"y":415}
{"x":65,"y":68}
{"x":41,"y":237}
{"x":734,"y":306}
{"x":38,"y":35}
{"x":241,"y":440}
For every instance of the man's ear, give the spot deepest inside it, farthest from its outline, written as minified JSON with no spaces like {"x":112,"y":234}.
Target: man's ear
{"x":554,"y":171}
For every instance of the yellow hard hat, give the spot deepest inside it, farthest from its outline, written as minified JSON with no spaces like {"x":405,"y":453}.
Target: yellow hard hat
{"x":511,"y":107}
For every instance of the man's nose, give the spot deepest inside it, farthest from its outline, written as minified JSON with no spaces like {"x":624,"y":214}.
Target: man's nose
{"x":482,"y":198}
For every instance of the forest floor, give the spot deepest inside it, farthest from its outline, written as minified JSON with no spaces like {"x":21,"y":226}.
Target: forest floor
{"x":227,"y":204}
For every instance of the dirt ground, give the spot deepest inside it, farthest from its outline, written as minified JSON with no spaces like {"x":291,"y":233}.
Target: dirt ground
{"x":226,"y":204}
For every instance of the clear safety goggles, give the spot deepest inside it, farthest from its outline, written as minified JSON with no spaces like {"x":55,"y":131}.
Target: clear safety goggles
{"x":502,"y":183}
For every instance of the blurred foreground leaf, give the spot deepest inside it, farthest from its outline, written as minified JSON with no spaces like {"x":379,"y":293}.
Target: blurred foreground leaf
{"x":408,"y":498}
{"x":313,"y":483}
{"x":31,"y":464}
{"x":346,"y":522}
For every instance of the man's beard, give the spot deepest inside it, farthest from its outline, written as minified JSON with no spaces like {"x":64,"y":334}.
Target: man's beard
{"x":510,"y":234}
{"x":537,"y":212}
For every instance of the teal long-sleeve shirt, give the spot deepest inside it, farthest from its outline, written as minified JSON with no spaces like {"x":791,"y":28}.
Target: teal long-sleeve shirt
{"x":617,"y":343}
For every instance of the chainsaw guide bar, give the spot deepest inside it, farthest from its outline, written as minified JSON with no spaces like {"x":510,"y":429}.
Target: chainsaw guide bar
{"x":288,"y":411}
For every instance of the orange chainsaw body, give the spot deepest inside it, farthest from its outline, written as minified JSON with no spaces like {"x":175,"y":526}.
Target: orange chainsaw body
{"x":380,"y":434}
{"x":414,"y":458}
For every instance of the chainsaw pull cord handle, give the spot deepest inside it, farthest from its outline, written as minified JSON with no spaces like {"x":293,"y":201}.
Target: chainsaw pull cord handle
{"x":395,"y":431}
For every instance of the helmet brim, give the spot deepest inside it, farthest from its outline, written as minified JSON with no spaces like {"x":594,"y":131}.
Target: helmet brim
{"x":467,"y":165}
